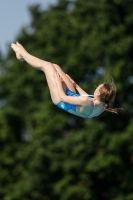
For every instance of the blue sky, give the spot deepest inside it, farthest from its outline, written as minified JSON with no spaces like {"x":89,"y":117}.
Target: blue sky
{"x":13,"y":15}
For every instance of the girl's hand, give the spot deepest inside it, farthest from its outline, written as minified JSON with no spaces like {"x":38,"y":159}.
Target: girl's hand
{"x":57,"y":78}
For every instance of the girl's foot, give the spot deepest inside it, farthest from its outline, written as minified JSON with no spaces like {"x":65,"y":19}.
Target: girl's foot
{"x":17,"y":47}
{"x":19,"y":57}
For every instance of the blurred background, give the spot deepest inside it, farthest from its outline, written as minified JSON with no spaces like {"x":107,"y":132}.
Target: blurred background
{"x":45,"y":153}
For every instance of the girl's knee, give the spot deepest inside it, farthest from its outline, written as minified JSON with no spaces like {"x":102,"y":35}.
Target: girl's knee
{"x":47,"y":66}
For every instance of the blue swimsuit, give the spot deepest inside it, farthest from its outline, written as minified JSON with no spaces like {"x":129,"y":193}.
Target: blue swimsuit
{"x":66,"y":106}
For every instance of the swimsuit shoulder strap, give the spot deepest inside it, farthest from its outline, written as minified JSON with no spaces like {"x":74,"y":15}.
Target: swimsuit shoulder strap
{"x":91,"y":97}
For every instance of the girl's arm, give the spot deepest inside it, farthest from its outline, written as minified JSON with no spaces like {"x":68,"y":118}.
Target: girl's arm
{"x":80,"y":90}
{"x":69,"y":99}
{"x":77,"y":87}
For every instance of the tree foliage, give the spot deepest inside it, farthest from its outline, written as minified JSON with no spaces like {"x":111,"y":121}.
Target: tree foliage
{"x":45,"y":152}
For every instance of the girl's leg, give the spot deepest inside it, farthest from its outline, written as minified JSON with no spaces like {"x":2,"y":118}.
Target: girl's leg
{"x":45,"y":66}
{"x":58,"y":69}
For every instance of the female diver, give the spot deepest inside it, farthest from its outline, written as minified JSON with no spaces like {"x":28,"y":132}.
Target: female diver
{"x":63,"y":88}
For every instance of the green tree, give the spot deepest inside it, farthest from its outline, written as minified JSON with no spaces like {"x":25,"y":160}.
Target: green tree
{"x":46,"y":153}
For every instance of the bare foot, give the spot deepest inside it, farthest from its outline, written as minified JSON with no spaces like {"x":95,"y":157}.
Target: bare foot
{"x":19,"y":57}
{"x":17,"y":47}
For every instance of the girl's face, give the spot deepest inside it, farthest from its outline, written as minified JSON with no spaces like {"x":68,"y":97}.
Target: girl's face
{"x":97,"y":91}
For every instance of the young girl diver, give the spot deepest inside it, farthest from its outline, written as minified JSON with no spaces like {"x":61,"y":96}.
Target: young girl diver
{"x":63,"y":88}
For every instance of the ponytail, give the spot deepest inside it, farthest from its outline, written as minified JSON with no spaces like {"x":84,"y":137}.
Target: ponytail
{"x":112,"y":110}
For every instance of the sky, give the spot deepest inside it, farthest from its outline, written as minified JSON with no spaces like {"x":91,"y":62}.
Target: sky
{"x":14,"y":15}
